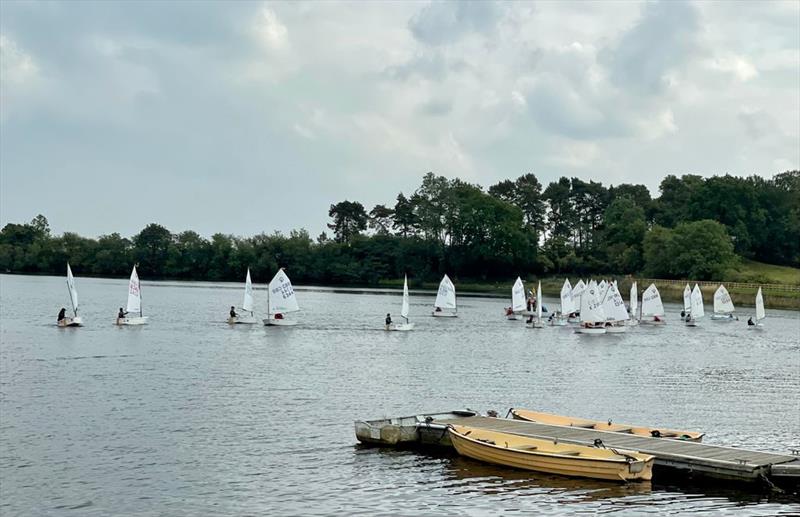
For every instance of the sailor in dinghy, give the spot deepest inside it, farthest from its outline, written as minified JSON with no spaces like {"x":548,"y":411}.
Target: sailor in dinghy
{"x":402,"y":327}
{"x":247,"y":305}
{"x":134,"y":303}
{"x":445,"y":304}
{"x":63,"y":319}
{"x":280,"y":301}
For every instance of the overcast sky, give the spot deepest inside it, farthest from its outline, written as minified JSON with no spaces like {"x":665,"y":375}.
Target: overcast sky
{"x":246,"y":117}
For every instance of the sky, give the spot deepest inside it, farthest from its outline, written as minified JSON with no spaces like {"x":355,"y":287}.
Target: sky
{"x":248,"y":117}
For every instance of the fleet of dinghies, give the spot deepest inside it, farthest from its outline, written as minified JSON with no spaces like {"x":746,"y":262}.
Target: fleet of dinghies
{"x":596,"y":308}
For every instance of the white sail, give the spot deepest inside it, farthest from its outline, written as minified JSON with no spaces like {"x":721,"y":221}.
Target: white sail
{"x":134,"y":293}
{"x":760,"y":313}
{"x":247,"y":304}
{"x":601,"y":289}
{"x":73,"y":293}
{"x":539,"y":301}
{"x":281,"y":295}
{"x":577,"y":292}
{"x":634,"y":299}
{"x":614,"y":305}
{"x":687,"y":298}
{"x":567,"y":305}
{"x":651,"y":302}
{"x":696,"y":308}
{"x":404,"y":311}
{"x":518,"y":296}
{"x":591,"y":307}
{"x":722,"y":301}
{"x":446,"y":297}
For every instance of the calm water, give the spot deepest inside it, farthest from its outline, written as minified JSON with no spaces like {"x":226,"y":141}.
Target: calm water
{"x":190,"y":416}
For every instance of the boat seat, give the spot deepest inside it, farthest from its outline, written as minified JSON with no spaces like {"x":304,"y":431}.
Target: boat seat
{"x":527,"y":447}
{"x":584,"y":426}
{"x":568,"y":453}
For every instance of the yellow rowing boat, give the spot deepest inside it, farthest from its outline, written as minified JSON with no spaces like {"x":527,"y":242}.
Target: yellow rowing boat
{"x":547,"y":418}
{"x":547,"y":456}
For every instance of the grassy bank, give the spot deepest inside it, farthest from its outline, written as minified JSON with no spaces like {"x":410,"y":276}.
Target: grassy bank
{"x":780,"y":286}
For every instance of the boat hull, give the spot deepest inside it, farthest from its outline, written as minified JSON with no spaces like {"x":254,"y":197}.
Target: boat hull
{"x":242,"y":320}
{"x":400,"y":327}
{"x":558,"y":323}
{"x":540,"y":455}
{"x":513,"y":317}
{"x":396,"y":432}
{"x":650,"y":432}
{"x":724,"y":317}
{"x":71,"y":322}
{"x":653,"y":322}
{"x":616,"y":329}
{"x":272,"y":322}
{"x":133,"y":322}
{"x":443,"y":314}
{"x":633,"y":323}
{"x":590,"y":331}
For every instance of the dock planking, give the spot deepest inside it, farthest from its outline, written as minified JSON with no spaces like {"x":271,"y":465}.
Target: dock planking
{"x":697,"y":458}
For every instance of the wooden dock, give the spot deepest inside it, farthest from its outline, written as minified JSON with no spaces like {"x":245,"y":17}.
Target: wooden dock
{"x":690,"y":457}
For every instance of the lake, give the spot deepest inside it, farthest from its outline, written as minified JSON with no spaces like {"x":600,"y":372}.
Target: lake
{"x":189,"y":415}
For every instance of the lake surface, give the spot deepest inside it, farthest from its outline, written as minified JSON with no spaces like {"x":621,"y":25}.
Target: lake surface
{"x":190,"y":416}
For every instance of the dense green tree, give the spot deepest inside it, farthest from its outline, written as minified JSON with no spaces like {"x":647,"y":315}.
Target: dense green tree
{"x":380,"y":219}
{"x":405,"y":217}
{"x":349,"y":220}
{"x":624,"y":230}
{"x":151,"y":249}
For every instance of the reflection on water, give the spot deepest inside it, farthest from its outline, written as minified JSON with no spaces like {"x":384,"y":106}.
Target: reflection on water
{"x":190,"y":416}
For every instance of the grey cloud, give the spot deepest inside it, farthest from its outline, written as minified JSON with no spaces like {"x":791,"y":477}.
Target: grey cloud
{"x":442,"y":22}
{"x":758,"y":123}
{"x":662,"y":39}
{"x":436,"y":107}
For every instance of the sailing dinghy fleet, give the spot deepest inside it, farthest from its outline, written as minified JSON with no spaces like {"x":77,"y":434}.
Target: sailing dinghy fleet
{"x":597,"y":308}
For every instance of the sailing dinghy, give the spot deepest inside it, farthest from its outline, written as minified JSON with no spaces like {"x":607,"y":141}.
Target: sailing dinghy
{"x":280,"y":301}
{"x":517,"y":300}
{"x":134,"y":303}
{"x":75,"y":320}
{"x":723,"y":305}
{"x":593,"y":319}
{"x":445,"y":304}
{"x":577,"y":293}
{"x":537,"y":320}
{"x":687,"y":304}
{"x":615,"y":311}
{"x":403,"y":327}
{"x":696,"y":309}
{"x":652,"y":307}
{"x":760,"y":313}
{"x":247,"y":304}
{"x":567,"y":305}
{"x":634,"y":305}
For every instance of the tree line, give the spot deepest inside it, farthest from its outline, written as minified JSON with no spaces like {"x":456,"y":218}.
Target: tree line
{"x":696,"y":228}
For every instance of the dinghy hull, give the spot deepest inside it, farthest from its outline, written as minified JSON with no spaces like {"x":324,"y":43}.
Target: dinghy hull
{"x":135,"y":321}
{"x":401,"y":327}
{"x":242,"y":320}
{"x":272,"y":322}
{"x":408,"y":430}
{"x":585,"y":423}
{"x":71,"y":322}
{"x":724,"y":317}
{"x":592,"y":331}
{"x":442,"y":314}
{"x":542,"y":455}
